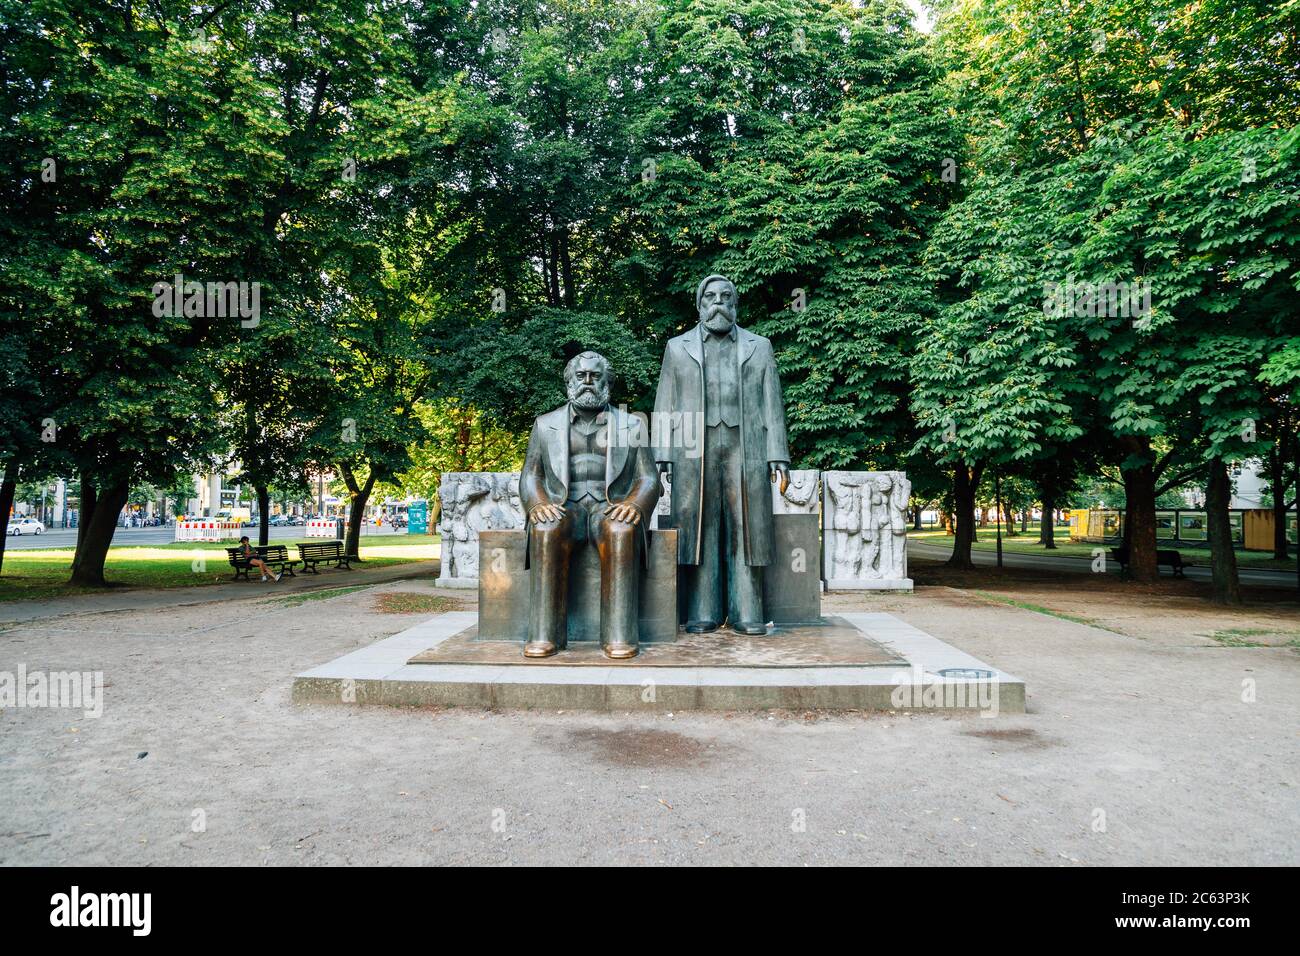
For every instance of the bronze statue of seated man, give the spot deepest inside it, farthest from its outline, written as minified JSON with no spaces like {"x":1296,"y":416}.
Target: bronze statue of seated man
{"x":589,"y":480}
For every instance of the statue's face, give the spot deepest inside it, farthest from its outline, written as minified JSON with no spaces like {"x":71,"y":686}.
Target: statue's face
{"x":718,"y":306}
{"x":884,"y":483}
{"x":588,"y":385}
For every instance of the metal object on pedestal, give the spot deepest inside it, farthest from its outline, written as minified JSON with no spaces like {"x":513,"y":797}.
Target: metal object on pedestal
{"x":720,"y":428}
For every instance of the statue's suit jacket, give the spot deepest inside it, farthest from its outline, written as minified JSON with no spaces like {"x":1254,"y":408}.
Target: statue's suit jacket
{"x":630,"y":474}
{"x":762,"y":438}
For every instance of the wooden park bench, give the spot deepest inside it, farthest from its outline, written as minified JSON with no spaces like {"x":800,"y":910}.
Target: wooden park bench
{"x":1169,"y":559}
{"x":276,"y":557}
{"x":312,"y":553}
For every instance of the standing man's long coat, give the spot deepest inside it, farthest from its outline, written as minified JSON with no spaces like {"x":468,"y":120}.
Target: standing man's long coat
{"x":762,"y":436}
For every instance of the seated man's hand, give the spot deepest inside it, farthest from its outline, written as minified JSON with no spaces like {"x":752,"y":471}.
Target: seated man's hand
{"x":625,"y":513}
{"x":545,"y":512}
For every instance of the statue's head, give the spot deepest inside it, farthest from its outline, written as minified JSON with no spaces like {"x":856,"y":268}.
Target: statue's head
{"x":587,"y":380}
{"x":715,"y":300}
{"x":884,"y":482}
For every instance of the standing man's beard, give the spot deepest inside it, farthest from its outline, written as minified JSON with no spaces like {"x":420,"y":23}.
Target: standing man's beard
{"x":589,"y":397}
{"x":718,"y":319}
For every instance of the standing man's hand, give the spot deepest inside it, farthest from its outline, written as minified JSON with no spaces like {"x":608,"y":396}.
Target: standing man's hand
{"x":780,"y":469}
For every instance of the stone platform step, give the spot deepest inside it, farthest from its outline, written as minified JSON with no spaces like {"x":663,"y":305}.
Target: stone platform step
{"x":918,"y":672}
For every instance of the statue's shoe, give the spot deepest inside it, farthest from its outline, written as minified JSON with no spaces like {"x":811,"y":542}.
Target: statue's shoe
{"x":750,"y":628}
{"x":539,"y":649}
{"x":620,"y":652}
{"x":701,"y":627}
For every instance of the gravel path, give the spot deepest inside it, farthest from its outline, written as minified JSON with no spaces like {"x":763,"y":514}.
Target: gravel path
{"x":1138,"y":749}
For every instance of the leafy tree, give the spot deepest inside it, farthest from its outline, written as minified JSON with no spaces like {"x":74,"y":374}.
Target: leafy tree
{"x":799,"y":148}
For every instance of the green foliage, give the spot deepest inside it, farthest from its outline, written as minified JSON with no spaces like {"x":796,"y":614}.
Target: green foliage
{"x":801,"y":146}
{"x":442,"y":203}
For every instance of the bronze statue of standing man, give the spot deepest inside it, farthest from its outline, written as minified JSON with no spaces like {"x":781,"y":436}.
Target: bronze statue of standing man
{"x":588,"y":481}
{"x":723,"y":378}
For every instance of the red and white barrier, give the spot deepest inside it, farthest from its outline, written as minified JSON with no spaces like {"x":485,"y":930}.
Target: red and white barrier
{"x":322,"y":528}
{"x":208,"y":529}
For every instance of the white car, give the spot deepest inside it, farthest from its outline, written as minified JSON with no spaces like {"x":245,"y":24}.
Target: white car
{"x":25,"y":526}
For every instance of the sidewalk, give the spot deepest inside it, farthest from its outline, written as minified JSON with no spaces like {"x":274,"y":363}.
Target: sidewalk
{"x":145,"y":599}
{"x":1198,"y":571}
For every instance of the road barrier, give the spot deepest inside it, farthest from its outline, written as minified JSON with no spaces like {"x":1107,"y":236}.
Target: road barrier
{"x":208,"y":530}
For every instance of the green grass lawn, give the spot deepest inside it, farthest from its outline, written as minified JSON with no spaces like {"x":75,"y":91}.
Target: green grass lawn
{"x":1028,"y":544}
{"x":30,"y":574}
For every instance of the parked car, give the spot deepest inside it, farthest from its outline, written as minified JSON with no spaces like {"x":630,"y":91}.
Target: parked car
{"x":25,"y":526}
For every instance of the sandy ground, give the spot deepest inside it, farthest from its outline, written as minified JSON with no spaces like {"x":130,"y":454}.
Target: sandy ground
{"x":1138,"y":748}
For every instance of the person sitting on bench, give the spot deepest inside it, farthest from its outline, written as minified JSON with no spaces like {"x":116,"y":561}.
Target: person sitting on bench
{"x":247,"y":553}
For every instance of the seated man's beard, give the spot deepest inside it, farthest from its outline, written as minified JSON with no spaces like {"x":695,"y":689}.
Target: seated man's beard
{"x":718,"y":319}
{"x":589,"y":396}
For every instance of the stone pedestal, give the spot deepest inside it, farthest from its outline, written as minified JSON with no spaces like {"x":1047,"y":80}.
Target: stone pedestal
{"x":792,"y":582}
{"x":857,"y":662}
{"x":504,"y":597}
{"x":869,"y":584}
{"x":792,"y":586}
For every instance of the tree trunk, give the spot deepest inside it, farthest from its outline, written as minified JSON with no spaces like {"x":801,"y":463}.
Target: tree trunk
{"x":1009,"y":525}
{"x":7,"y":489}
{"x":566,"y":270}
{"x":1225,"y":586}
{"x":916,"y":518}
{"x":1047,"y":527}
{"x":1140,"y":511}
{"x":1277,"y":481}
{"x":263,"y":517}
{"x":965,"y":485}
{"x":1024,"y":521}
{"x":92,"y":548}
{"x":358,"y":495}
{"x":555,"y":270}
{"x":85,"y":512}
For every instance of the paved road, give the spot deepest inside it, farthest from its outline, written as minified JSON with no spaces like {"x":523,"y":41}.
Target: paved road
{"x":67,"y":537}
{"x":1012,"y":559}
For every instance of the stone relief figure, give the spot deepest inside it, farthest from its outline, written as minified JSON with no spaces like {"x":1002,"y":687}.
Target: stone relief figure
{"x":899,"y":498}
{"x":844,"y":524}
{"x":801,"y":496}
{"x":506,"y":512}
{"x":471,"y":496}
{"x":875,"y":525}
{"x":866,"y":528}
{"x":474,"y":502}
{"x":664,"y":510}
